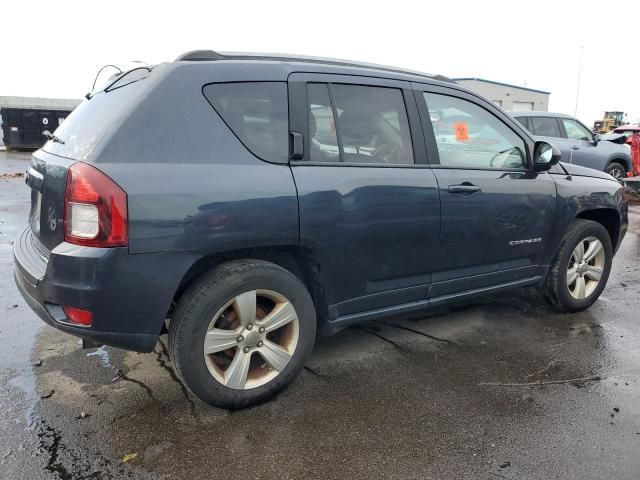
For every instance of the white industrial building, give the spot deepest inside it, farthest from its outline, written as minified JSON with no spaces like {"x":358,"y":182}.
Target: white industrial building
{"x":509,"y":97}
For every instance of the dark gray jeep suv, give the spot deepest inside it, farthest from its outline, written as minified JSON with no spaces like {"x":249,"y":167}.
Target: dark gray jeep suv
{"x":245,"y":202}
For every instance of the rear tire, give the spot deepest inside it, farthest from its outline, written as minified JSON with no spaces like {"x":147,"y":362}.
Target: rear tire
{"x":580,"y":269}
{"x":616,"y":170}
{"x":242,"y":333}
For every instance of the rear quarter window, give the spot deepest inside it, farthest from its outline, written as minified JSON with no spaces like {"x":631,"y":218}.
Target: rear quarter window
{"x":257,"y":112}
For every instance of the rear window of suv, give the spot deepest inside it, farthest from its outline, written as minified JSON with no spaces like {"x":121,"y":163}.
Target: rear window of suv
{"x":88,"y":124}
{"x":257,"y":112}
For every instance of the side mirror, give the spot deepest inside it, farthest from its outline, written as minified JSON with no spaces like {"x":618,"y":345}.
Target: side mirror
{"x":596,"y":138}
{"x":545,"y":155}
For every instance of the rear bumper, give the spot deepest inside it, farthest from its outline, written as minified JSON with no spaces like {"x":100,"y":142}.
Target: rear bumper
{"x":128,"y":295}
{"x":139,"y":342}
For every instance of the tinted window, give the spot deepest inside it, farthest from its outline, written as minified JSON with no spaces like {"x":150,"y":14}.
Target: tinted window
{"x":89,"y":122}
{"x":323,"y":145}
{"x":545,"y":127}
{"x":257,"y":112}
{"x":468,"y":136}
{"x":575,"y":131}
{"x":372,"y":125}
{"x":524,"y":121}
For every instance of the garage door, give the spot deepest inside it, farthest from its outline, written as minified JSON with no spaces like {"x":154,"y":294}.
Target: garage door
{"x":522,"y":106}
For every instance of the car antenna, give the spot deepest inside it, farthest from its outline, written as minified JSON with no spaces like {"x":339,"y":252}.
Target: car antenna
{"x":88,"y":95}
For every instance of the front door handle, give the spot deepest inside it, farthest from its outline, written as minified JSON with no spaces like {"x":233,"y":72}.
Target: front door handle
{"x":575,"y":147}
{"x":465,"y":187}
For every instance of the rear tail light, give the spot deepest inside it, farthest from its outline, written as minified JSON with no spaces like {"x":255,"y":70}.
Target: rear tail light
{"x":79,"y":316}
{"x":95,"y":209}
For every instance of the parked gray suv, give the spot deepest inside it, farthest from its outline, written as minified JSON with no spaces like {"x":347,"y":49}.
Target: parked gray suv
{"x":577,"y":143}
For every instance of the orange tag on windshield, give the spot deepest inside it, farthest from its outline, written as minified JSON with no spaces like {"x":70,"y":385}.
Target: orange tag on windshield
{"x":462,"y":131}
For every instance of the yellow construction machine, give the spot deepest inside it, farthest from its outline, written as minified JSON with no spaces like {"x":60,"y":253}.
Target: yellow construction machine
{"x":610,"y":121}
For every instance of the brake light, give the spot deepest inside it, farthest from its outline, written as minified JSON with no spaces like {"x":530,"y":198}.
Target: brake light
{"x":95,"y":209}
{"x":79,"y":316}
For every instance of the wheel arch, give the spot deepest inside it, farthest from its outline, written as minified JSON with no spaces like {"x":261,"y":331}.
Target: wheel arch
{"x":609,"y":218}
{"x":292,"y":258}
{"x":625,"y":162}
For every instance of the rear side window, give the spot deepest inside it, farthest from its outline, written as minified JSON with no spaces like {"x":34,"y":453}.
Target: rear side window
{"x":358,"y":124}
{"x":524,"y":121}
{"x":373,"y":124}
{"x":545,"y":127}
{"x":257,"y":112}
{"x":323,"y":145}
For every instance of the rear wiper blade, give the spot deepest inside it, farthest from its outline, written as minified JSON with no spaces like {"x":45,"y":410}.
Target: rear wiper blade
{"x":52,"y":137}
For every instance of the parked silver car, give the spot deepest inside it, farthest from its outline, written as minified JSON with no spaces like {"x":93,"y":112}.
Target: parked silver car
{"x":577,"y":143}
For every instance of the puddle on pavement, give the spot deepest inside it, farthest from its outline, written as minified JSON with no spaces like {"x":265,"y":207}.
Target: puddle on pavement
{"x":431,"y":371}
{"x":103,"y":355}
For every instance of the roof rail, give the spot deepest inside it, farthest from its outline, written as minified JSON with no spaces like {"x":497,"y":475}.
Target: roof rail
{"x":210,"y":55}
{"x":200,"y":56}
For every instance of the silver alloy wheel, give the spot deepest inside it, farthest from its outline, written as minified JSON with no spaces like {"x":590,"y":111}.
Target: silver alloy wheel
{"x":251,"y":339}
{"x":585,"y":268}
{"x":617,"y":173}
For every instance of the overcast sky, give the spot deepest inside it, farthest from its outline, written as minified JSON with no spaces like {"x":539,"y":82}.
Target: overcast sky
{"x":54,"y":49}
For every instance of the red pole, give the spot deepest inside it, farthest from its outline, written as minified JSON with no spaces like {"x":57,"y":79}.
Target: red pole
{"x":635,"y":154}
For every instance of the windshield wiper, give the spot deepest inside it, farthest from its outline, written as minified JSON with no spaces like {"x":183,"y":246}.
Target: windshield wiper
{"x":52,"y":137}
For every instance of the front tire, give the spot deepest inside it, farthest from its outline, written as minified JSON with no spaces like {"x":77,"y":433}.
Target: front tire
{"x":242,"y":333}
{"x":580,"y":270}
{"x":616,"y":170}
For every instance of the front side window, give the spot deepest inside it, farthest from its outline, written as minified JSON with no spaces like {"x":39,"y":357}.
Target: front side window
{"x":358,"y":124}
{"x":545,"y":127}
{"x":468,"y":136}
{"x":575,"y":131}
{"x":257,"y":112}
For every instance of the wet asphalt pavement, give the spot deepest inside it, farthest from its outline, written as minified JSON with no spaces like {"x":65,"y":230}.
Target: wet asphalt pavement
{"x":502,"y":388}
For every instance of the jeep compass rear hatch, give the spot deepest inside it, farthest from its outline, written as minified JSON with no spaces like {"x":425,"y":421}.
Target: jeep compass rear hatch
{"x":92,"y":204}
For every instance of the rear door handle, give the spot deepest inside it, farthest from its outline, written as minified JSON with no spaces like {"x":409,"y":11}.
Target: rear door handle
{"x":465,"y":187}
{"x":575,"y":147}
